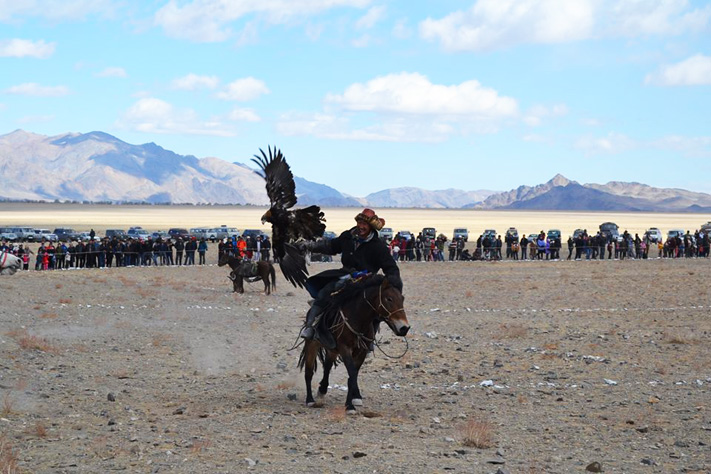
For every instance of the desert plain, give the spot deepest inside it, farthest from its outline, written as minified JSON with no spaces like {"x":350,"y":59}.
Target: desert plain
{"x":533,"y":367}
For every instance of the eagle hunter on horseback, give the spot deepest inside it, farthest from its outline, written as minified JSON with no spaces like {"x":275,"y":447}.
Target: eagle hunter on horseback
{"x":349,"y":302}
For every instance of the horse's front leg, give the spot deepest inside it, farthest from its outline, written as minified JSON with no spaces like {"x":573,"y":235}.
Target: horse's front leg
{"x":327,"y":366}
{"x":357,"y":397}
{"x":352,"y":369}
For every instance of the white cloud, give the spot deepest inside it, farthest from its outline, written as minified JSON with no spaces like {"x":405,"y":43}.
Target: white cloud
{"x":412,"y":93}
{"x":495,"y":24}
{"x":693,"y":71}
{"x":193,"y":82}
{"x":243,"y":115}
{"x":154,"y":115}
{"x":36,"y":90}
{"x":209,"y":20}
{"x":536,"y":114}
{"x":404,"y":107}
{"x":371,"y":18}
{"x":632,"y":18}
{"x":20,"y":48}
{"x":112,"y":72}
{"x":697,"y":147}
{"x":402,"y":30}
{"x":613,"y":143}
{"x":242,"y":90}
{"x":65,"y":10}
{"x":338,"y":127}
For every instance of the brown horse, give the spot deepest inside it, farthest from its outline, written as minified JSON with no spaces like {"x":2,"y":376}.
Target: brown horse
{"x":352,"y":320}
{"x":252,"y":271}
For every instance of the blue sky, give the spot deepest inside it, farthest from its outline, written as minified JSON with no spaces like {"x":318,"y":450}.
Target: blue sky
{"x":366,"y":95}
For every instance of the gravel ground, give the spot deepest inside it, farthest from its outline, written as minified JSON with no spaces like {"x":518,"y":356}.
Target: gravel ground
{"x":535,"y":367}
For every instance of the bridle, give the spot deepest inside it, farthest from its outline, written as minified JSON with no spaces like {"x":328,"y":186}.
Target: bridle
{"x":389,"y":314}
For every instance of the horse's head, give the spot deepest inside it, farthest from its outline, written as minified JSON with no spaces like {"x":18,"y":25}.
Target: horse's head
{"x":223,"y":259}
{"x":389,"y":304}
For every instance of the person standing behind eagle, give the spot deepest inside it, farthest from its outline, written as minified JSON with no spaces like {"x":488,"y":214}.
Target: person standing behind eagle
{"x":361,"y":251}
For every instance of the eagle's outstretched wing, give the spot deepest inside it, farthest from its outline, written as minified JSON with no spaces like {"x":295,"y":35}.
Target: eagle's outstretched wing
{"x":281,"y":188}
{"x":287,"y":226}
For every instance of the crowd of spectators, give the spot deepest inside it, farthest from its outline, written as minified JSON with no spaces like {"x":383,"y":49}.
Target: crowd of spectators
{"x":582,"y":246}
{"x":127,"y":252}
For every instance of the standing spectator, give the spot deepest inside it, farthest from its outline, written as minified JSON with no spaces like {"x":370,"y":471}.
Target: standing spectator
{"x":241,"y":247}
{"x":190,"y":248}
{"x":266,"y":248}
{"x":257,"y":256}
{"x":524,"y":247}
{"x":179,"y":247}
{"x":202,"y":248}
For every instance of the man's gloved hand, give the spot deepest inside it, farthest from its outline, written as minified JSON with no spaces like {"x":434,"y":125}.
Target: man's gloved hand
{"x":304,"y":246}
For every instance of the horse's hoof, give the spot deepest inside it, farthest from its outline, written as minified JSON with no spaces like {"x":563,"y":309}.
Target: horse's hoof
{"x":311,"y":404}
{"x":357,"y":402}
{"x":320,"y":394}
{"x":351,"y":411}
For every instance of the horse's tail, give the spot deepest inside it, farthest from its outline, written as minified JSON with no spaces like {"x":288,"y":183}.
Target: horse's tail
{"x":273,"y":274}
{"x":302,"y":359}
{"x":321,"y":355}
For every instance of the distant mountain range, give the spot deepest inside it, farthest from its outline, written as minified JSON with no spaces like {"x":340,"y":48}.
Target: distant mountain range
{"x":97,"y":167}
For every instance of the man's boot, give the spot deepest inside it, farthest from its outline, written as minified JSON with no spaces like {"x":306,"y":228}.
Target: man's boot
{"x":308,"y":331}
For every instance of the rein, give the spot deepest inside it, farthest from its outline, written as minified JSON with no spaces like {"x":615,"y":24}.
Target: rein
{"x":362,"y":337}
{"x":4,"y":259}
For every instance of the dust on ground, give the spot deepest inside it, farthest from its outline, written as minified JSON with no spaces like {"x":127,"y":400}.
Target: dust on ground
{"x":511,"y":367}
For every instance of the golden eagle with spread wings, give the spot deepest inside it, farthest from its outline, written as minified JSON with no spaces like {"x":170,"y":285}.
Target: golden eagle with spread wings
{"x":287,"y":225}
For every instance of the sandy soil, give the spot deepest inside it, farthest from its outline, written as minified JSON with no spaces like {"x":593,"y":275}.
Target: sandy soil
{"x":101,"y":217}
{"x":534,"y":367}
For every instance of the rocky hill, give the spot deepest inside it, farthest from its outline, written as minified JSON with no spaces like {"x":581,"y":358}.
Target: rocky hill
{"x":97,"y":167}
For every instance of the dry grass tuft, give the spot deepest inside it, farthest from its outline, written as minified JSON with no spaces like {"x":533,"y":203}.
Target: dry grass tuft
{"x":678,"y":336}
{"x":477,"y":433}
{"x":29,"y":342}
{"x":49,"y":315}
{"x":160,"y":340}
{"x":511,"y":331}
{"x":200,"y":445}
{"x":8,"y":458}
{"x":285,"y":384}
{"x":38,"y":430}
{"x":7,"y":405}
{"x":65,"y":300}
{"x":58,"y":286}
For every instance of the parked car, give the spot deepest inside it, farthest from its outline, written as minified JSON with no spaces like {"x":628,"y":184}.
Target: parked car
{"x":138,"y":233}
{"x":512,"y":232}
{"x":653,"y":234}
{"x":405,"y":234}
{"x":553,"y":234}
{"x":45,"y":234}
{"x":386,"y":233}
{"x":7,"y":234}
{"x":224,"y":232}
{"x":577,"y":233}
{"x":117,"y":233}
{"x":66,"y":234}
{"x":176,"y":232}
{"x":160,"y":234}
{"x":676,"y":233}
{"x":429,"y":233}
{"x":200,"y":232}
{"x":252,"y":232}
{"x":84,"y":236}
{"x":610,"y":231}
{"x":24,"y":234}
{"x":491,"y":233}
{"x":461,"y":233}
{"x":706,"y":228}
